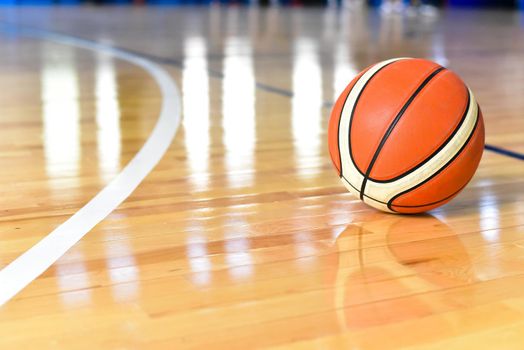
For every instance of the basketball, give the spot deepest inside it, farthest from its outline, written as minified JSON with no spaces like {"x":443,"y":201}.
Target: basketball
{"x":406,"y":135}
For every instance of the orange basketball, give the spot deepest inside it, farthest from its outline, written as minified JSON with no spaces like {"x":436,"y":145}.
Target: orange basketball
{"x":406,"y":135}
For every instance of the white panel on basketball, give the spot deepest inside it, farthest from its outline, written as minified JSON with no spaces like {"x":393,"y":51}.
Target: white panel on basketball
{"x":349,"y":173}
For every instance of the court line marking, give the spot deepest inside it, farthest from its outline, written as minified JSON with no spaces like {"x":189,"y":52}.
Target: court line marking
{"x":177,"y":63}
{"x":31,"y":264}
{"x":504,"y":152}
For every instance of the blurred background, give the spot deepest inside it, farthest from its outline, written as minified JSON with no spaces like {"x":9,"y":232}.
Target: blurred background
{"x":386,"y":5}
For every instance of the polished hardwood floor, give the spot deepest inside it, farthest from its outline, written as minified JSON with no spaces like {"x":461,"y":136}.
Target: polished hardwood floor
{"x":243,"y":236}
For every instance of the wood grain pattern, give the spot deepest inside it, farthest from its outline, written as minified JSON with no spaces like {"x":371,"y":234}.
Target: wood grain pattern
{"x":243,"y":236}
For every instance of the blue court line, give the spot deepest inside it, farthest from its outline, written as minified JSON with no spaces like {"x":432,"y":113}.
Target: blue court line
{"x":504,"y":152}
{"x":14,"y":28}
{"x":212,"y":73}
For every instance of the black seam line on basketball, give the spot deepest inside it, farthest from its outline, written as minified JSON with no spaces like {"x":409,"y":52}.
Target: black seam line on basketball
{"x":356,"y":189}
{"x":390,"y":203}
{"x":432,"y":203}
{"x":391,"y":207}
{"x":353,"y":114}
{"x":427,"y":159}
{"x":392,"y":126}
{"x":178,"y":63}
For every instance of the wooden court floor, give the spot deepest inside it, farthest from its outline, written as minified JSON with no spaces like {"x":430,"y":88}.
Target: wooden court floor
{"x":243,"y":236}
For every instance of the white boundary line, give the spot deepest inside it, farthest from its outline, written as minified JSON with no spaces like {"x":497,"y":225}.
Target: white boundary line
{"x":31,"y":264}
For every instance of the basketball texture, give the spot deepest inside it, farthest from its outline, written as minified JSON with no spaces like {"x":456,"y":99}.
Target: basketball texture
{"x":406,"y":135}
